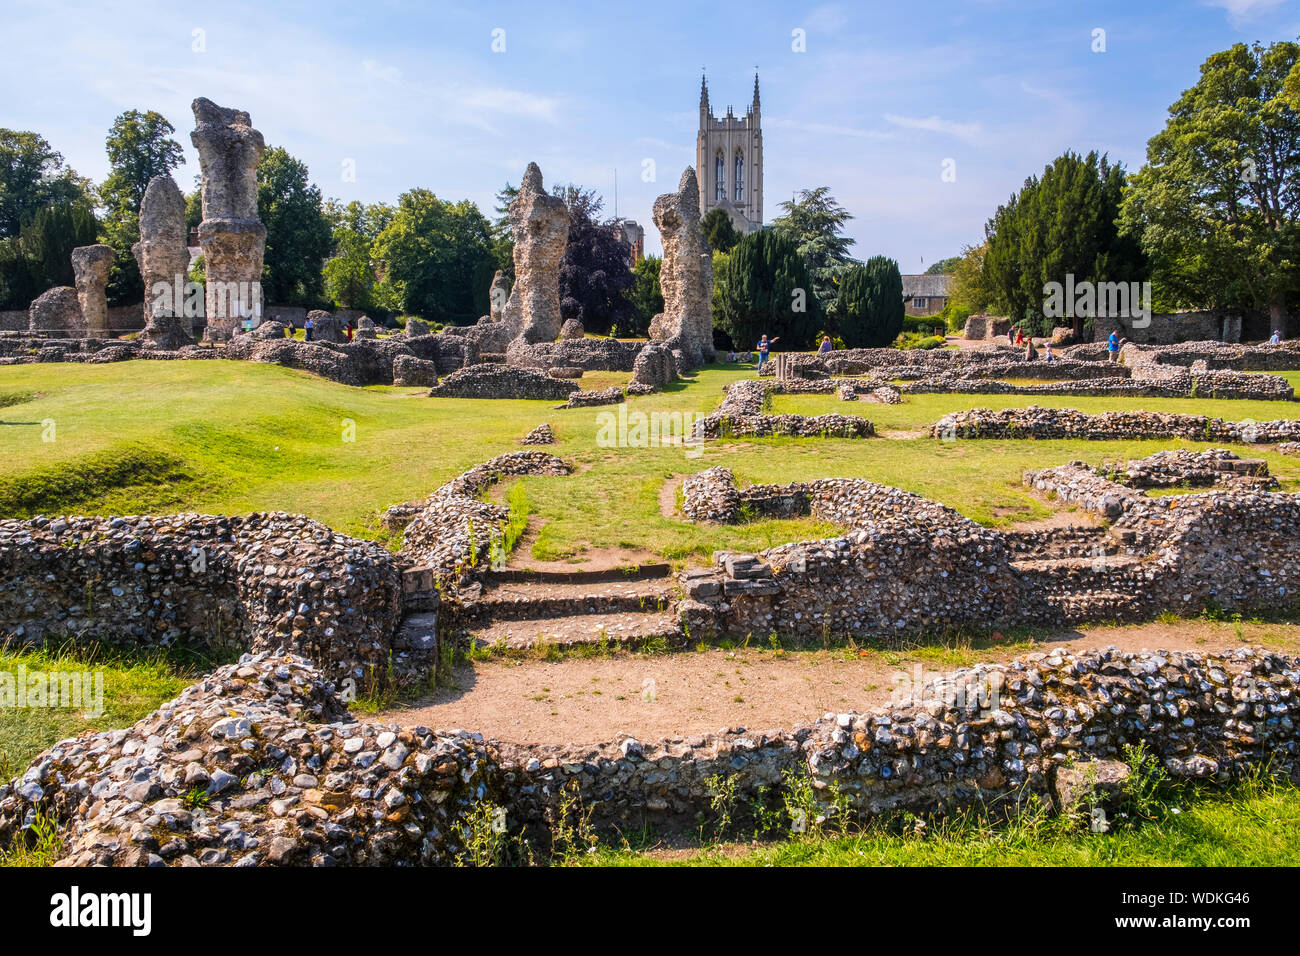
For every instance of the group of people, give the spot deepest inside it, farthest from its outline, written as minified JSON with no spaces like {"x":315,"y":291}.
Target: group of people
{"x":309,"y":327}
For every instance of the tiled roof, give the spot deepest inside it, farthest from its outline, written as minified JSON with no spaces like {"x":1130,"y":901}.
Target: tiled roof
{"x":925,"y":286}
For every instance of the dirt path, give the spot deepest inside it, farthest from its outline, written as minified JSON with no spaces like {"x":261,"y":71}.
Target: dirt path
{"x":587,"y":701}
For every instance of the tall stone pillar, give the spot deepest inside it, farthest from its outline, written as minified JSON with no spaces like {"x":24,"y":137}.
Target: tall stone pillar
{"x":686,"y":276}
{"x":540,"y":223}
{"x":232,"y":236}
{"x":164,"y":258}
{"x":90,"y":265}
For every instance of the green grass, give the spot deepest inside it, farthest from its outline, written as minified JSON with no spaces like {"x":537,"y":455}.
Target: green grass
{"x":134,"y":685}
{"x":235,"y":437}
{"x":1256,"y":823}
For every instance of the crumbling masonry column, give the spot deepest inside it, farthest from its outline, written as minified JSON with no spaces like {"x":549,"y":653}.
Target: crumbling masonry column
{"x":540,"y":223}
{"x":164,"y":258}
{"x":231,"y":235}
{"x":686,"y":275}
{"x":90,"y":265}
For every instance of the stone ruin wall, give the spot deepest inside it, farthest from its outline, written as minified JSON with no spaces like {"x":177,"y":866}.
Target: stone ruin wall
{"x":743,"y":413}
{"x":262,"y":582}
{"x":907,"y":565}
{"x":314,"y":787}
{"x":1055,"y":423}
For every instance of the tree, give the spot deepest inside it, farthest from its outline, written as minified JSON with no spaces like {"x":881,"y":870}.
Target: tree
{"x":1060,"y":225}
{"x":40,"y":257}
{"x":764,"y":287}
{"x":349,"y":276}
{"x":719,"y":232}
{"x":967,"y":288}
{"x":1215,"y":205}
{"x":33,"y":176}
{"x":943,"y":266}
{"x":646,"y":296}
{"x":595,"y":274}
{"x":298,"y":235}
{"x":434,"y":259}
{"x":139,"y":147}
{"x":814,"y":222}
{"x":870,"y":308}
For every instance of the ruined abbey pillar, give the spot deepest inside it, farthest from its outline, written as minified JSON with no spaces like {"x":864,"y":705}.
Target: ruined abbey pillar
{"x":540,"y":223}
{"x":164,"y":258}
{"x":686,"y":276}
{"x":90,"y":265}
{"x":232,"y":236}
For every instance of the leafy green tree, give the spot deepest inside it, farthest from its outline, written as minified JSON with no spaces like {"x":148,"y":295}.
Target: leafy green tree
{"x":764,"y":287}
{"x":369,"y":220}
{"x":646,"y":296}
{"x":1062,"y":224}
{"x":814,"y":221}
{"x":33,"y":176}
{"x":719,"y":232}
{"x":1215,"y":206}
{"x":943,"y":267}
{"x":434,"y":259}
{"x":870,"y":308}
{"x":298,"y":236}
{"x":40,"y":257}
{"x":967,"y":288}
{"x":348,"y":274}
{"x":139,"y":147}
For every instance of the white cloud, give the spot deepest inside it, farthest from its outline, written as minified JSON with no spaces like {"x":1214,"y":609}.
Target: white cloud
{"x":967,"y":132}
{"x":1241,"y":11}
{"x":389,"y":74}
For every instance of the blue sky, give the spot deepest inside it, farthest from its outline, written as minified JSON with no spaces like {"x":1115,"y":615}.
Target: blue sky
{"x":414,"y":94}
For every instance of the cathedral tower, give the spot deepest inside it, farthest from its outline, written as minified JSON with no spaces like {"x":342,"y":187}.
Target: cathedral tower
{"x":729,"y":157}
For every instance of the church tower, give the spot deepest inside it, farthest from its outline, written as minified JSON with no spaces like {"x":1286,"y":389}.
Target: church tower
{"x":729,"y":161}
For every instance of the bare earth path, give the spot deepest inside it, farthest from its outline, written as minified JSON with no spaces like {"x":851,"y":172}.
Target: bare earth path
{"x":590,"y":700}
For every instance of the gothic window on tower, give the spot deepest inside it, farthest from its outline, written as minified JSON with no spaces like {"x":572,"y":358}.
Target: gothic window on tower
{"x":719,"y":187}
{"x":740,"y":179}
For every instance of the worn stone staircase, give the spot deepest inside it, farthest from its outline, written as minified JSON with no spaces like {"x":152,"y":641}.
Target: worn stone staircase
{"x":1097,"y":587}
{"x":623,"y":607}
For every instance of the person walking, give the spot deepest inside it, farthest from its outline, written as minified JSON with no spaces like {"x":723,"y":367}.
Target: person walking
{"x":1047,"y":353}
{"x":293,"y":328}
{"x":307,"y":329}
{"x":349,"y":331}
{"x":764,"y":346}
{"x":1112,"y":346}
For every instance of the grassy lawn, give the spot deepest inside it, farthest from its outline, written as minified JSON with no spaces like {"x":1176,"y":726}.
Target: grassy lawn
{"x":231,"y":437}
{"x":133,"y":686}
{"x":1254,"y":824}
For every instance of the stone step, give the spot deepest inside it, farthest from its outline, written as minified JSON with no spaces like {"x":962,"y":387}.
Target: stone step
{"x":637,"y":572}
{"x":618,"y":629}
{"x":1088,"y":564}
{"x":417,"y":632}
{"x":531,"y":600}
{"x":1079,"y":608}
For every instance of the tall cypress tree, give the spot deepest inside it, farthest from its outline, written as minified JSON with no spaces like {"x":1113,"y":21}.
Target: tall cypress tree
{"x":765,"y":288}
{"x":870,"y":304}
{"x":1062,"y":224}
